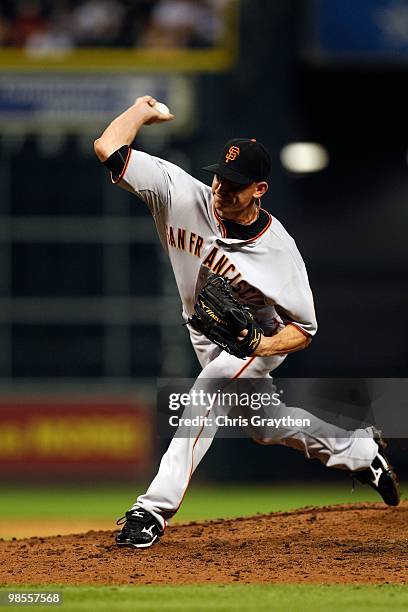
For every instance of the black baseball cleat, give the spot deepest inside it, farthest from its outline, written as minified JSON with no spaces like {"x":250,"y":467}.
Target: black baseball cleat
{"x":380,"y":476}
{"x":140,"y":529}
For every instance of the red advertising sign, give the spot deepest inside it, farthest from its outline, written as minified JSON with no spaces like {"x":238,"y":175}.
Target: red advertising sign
{"x":89,"y":436}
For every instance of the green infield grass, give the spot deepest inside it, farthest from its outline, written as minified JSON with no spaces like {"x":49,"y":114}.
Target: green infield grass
{"x":201,"y":502}
{"x":226,"y":598}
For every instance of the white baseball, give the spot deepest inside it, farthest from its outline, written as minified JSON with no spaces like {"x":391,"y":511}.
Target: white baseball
{"x":162,"y":108}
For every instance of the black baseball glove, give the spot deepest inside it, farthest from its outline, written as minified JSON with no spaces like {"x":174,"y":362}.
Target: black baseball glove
{"x":220,"y":317}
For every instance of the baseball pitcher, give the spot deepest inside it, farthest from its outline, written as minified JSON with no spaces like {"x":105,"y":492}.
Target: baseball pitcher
{"x":246,"y":302}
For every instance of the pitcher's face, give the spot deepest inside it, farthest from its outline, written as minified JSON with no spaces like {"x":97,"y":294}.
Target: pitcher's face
{"x":231,"y":199}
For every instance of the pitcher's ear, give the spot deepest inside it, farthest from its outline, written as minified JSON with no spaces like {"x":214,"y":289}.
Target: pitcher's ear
{"x":261,"y":188}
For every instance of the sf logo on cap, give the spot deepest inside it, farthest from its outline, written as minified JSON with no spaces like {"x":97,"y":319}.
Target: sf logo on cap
{"x":232,"y":154}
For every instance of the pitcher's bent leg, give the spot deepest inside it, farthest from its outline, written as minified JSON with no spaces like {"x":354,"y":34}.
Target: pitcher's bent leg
{"x":332,"y":445}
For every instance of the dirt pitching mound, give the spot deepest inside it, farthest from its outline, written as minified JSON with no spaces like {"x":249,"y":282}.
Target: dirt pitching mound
{"x":337,"y":544}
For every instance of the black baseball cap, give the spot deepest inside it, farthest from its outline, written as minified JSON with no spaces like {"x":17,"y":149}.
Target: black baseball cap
{"x":243,"y":161}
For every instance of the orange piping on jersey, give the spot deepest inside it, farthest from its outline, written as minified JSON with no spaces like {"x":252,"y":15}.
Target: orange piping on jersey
{"x":121,"y":175}
{"x":191,"y":470}
{"x":305,"y":333}
{"x":223,"y":229}
{"x":244,"y":367}
{"x":201,"y":431}
{"x":268,"y":225}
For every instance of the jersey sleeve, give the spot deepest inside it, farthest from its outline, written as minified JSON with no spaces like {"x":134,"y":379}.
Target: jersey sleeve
{"x":150,"y":178}
{"x":291,"y":294}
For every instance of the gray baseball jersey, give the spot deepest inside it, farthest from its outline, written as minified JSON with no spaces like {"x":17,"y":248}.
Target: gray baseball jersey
{"x":269,"y":275}
{"x":267,"y":271}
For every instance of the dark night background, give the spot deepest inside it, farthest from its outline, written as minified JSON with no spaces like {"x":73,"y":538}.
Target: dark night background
{"x":349,"y":221}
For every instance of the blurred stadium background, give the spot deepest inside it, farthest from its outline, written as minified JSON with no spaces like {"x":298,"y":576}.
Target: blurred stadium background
{"x":89,"y":312}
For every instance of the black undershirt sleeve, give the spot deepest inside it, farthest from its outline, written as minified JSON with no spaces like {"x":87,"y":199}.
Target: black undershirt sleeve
{"x":117,"y":161}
